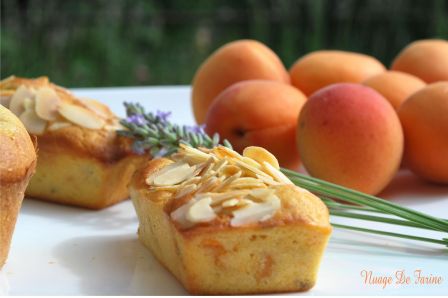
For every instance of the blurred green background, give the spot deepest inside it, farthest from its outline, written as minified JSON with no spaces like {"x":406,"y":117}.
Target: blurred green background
{"x":142,"y":42}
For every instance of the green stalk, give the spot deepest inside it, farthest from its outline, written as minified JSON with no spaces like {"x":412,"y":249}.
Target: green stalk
{"x":378,"y":219}
{"x":352,"y":196}
{"x":443,"y":241}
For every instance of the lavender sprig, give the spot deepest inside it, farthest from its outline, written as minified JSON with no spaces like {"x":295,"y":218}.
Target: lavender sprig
{"x":155,"y":134}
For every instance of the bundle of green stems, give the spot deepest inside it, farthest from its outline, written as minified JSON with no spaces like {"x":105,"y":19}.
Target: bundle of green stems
{"x":155,"y":134}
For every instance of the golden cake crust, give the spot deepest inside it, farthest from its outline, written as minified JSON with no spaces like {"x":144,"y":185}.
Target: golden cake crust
{"x":79,"y":164}
{"x":16,"y":168}
{"x":280,"y":254}
{"x":298,"y":206}
{"x":18,"y":152}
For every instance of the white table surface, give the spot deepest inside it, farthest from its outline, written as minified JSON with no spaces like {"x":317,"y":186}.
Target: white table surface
{"x":61,"y":250}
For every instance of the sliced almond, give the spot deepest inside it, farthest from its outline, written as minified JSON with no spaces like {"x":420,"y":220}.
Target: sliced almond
{"x":262,"y":193}
{"x":150,"y":178}
{"x":227,"y":182}
{"x":222,"y":152}
{"x":250,"y":168}
{"x":201,"y":211}
{"x":186,"y":190}
{"x":251,"y":162}
{"x":255,"y":212}
{"x":268,"y":180}
{"x":180,"y":215}
{"x":194,"y":153}
{"x":219,"y":165}
{"x":97,"y":107}
{"x":28,"y":103}
{"x":261,"y":155}
{"x":174,"y":175}
{"x":217,"y":198}
{"x":46,"y":104}
{"x":33,"y":124}
{"x":208,"y":185}
{"x":192,"y":181}
{"x":58,"y":125}
{"x":279,"y":176}
{"x":247,"y":182}
{"x":16,"y":105}
{"x":229,"y":170}
{"x":80,"y":116}
{"x":170,"y":188}
{"x":5,"y":97}
{"x":230,"y":203}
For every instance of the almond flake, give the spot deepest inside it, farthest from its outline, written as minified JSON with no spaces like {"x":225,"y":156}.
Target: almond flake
{"x":5,"y":97}
{"x":250,"y":168}
{"x":251,"y":162}
{"x":98,"y":108}
{"x":47,"y":102}
{"x":262,"y":193}
{"x":33,"y":124}
{"x":222,"y":152}
{"x":230,"y":203}
{"x":220,"y":197}
{"x":261,"y":155}
{"x":196,"y":153}
{"x":254,"y":212}
{"x":174,"y":175}
{"x":229,"y":170}
{"x":201,"y":211}
{"x":220,"y":164}
{"x":186,"y":190}
{"x":193,"y":181}
{"x":227,"y":182}
{"x":16,"y":105}
{"x":279,"y":176}
{"x":58,"y":125}
{"x":80,"y":116}
{"x":170,"y":188}
{"x":180,"y":215}
{"x":267,"y":180}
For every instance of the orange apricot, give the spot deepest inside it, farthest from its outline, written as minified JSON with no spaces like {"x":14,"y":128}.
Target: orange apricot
{"x":395,"y":86}
{"x":321,"y":68}
{"x":350,"y":135}
{"x":236,"y":61}
{"x":426,"y":59}
{"x":259,"y":113}
{"x":424,"y":117}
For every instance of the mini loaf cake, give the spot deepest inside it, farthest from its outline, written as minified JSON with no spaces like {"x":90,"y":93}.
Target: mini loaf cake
{"x":17,"y":164}
{"x":225,"y":223}
{"x":82,"y":161}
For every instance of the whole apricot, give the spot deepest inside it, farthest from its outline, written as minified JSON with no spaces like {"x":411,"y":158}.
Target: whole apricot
{"x":424,"y":117}
{"x":259,"y":113}
{"x":426,"y":59}
{"x":395,"y":86}
{"x":350,"y":135}
{"x":322,"y":68}
{"x":236,"y":61}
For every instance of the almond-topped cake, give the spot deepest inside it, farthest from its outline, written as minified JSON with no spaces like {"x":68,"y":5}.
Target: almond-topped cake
{"x":81,"y":159}
{"x":225,"y":223}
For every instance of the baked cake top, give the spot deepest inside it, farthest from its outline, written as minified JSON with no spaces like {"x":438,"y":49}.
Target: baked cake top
{"x":220,"y":187}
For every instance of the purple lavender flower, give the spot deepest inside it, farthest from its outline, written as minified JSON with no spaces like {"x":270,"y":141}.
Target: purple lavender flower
{"x":163,"y":116}
{"x":136,"y":119}
{"x":196,"y":128}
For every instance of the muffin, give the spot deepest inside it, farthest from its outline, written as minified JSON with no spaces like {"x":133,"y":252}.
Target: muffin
{"x":82,"y":161}
{"x":225,"y":223}
{"x":16,"y":168}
